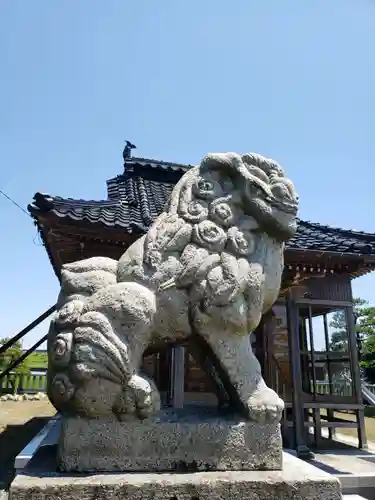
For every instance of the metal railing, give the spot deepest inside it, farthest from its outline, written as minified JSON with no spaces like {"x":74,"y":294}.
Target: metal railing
{"x":23,"y":384}
{"x":370,"y":387}
{"x":10,"y":368}
{"x":339,"y":388}
{"x":343,"y":387}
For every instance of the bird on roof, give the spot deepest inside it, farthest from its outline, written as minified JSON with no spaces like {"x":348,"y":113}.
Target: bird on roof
{"x":128,"y":150}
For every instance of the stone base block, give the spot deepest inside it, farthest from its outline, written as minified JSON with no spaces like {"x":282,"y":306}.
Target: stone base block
{"x":187,"y":440}
{"x":299,"y":480}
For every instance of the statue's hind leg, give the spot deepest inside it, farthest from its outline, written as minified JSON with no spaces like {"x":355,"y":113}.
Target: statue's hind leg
{"x":109,"y":338}
{"x":131,"y":308}
{"x":242,"y":376}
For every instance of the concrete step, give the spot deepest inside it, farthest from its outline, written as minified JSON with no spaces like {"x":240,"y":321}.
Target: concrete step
{"x":355,"y":469}
{"x":353,"y":497}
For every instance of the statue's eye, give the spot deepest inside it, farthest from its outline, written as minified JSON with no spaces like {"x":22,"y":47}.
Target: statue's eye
{"x":205,"y":185}
{"x":206,"y":189}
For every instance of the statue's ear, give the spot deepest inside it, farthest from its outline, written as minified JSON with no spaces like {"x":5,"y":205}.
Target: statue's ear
{"x":182,"y":191}
{"x":184,"y":202}
{"x":170,"y":228}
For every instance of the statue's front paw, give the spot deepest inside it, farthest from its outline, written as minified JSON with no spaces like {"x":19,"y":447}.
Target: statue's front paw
{"x":140,"y":399}
{"x":265,"y":407}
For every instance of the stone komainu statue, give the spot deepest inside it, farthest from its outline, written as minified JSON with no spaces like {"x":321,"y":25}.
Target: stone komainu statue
{"x":208,"y":268}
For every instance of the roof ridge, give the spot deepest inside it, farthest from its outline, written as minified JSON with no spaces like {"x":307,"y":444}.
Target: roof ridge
{"x":136,"y":159}
{"x":336,"y":229}
{"x":80,"y":201}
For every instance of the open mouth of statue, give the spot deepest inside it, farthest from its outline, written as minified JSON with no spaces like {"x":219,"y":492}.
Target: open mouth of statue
{"x":282,"y":201}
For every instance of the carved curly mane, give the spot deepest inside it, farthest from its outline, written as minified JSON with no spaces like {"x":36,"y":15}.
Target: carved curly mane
{"x":211,"y":222}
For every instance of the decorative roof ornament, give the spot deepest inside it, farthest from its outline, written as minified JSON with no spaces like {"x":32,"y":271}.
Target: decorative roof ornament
{"x":127,"y":152}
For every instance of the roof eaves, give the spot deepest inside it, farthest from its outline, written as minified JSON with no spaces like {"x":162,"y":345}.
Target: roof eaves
{"x":348,"y":232}
{"x":330,"y":253}
{"x":45,"y":244}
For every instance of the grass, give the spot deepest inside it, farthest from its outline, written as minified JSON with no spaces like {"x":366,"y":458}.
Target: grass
{"x":370,"y":426}
{"x":19,"y":423}
{"x":37,"y":360}
{"x":350,"y":417}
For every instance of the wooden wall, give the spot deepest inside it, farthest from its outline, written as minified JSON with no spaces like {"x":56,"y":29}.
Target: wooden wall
{"x":332,"y":288}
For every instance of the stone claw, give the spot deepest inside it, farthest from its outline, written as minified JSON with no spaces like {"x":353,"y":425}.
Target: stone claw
{"x":265,"y":407}
{"x":139,"y":399}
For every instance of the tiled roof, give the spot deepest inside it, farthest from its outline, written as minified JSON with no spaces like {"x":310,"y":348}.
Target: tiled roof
{"x":161,"y":172}
{"x":315,"y":236}
{"x":136,"y":197}
{"x":135,"y":215}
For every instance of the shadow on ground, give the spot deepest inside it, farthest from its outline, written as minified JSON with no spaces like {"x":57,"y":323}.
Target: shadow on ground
{"x":12,"y":441}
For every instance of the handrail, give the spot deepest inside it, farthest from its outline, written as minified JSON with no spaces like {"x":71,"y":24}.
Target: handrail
{"x":26,"y":330}
{"x":19,"y":336}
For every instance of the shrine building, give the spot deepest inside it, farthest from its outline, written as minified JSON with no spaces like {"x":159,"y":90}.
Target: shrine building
{"x":293,"y":341}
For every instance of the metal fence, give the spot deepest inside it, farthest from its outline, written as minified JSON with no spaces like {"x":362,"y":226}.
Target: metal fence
{"x":335,"y":388}
{"x":37,"y":382}
{"x":338,"y":388}
{"x":370,"y":387}
{"x":24,"y":384}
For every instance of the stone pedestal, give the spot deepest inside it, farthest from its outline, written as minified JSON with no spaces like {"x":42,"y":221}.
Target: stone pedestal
{"x":186,"y":440}
{"x":298,"y":480}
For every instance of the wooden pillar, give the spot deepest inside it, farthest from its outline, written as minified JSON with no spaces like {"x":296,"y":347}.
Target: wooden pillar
{"x":330,"y":412}
{"x":302,"y":449}
{"x":265,"y":348}
{"x":356,"y":377}
{"x":163,"y":378}
{"x":178,"y":376}
{"x":316,"y":411}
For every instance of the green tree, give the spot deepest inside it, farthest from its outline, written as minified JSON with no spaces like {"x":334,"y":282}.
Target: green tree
{"x":10,"y":356}
{"x":339,"y":337}
{"x":366,"y":334}
{"x":364,"y":318}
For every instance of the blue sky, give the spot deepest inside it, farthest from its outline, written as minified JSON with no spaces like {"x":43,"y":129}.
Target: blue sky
{"x":290,"y":79}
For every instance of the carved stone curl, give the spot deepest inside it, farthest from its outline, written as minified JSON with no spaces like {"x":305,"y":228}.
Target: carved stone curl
{"x":208,"y":268}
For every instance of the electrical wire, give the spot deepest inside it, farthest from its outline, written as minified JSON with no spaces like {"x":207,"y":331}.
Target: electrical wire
{"x":37,"y":235}
{"x":14,"y":203}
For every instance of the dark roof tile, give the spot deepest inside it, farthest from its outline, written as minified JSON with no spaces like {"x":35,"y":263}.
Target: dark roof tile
{"x":136,"y":197}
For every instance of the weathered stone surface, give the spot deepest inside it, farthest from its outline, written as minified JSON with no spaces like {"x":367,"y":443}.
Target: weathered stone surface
{"x":298,"y":481}
{"x":175,"y":440}
{"x":208,"y":268}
